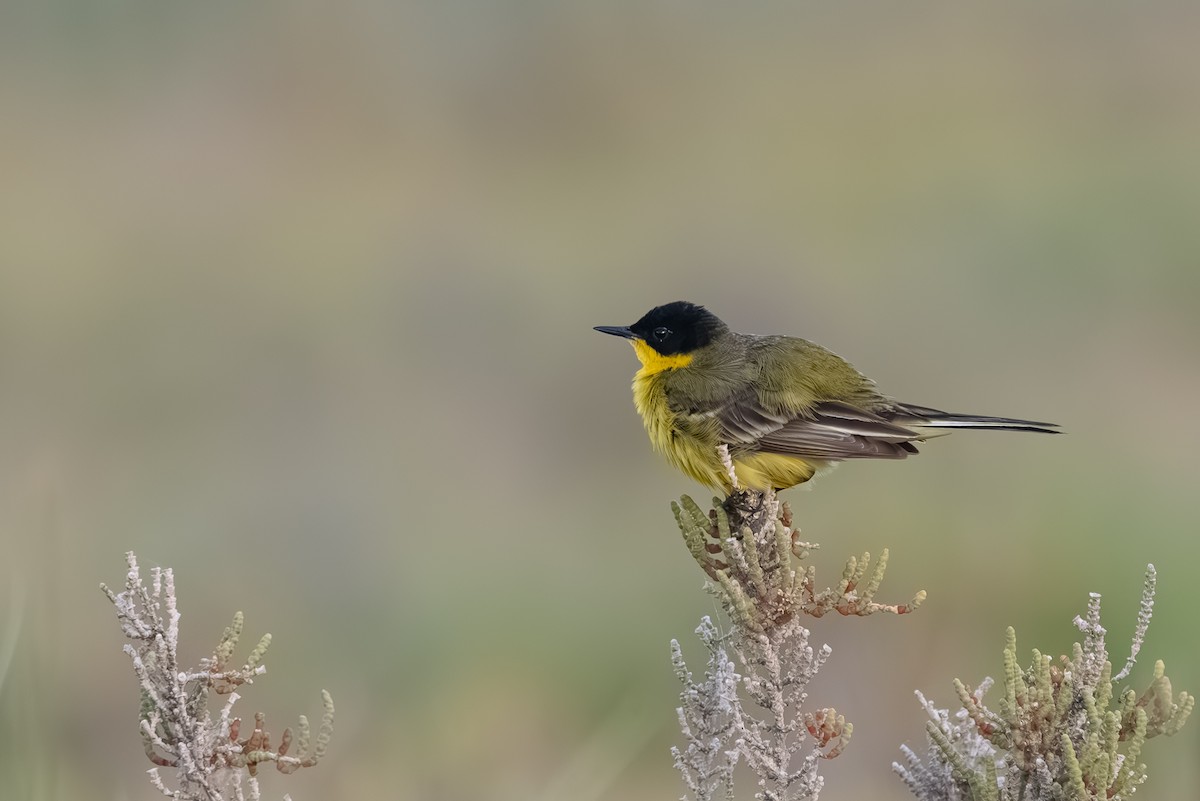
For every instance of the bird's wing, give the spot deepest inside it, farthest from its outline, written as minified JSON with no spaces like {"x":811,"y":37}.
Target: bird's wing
{"x":828,"y":430}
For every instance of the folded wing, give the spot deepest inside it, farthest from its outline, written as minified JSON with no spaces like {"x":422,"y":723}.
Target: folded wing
{"x":829,"y":430}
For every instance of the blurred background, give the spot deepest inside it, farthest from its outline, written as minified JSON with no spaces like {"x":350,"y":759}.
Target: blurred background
{"x":298,"y":299}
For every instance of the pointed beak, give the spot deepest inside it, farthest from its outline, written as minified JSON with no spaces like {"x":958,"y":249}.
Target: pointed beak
{"x":617,"y":331}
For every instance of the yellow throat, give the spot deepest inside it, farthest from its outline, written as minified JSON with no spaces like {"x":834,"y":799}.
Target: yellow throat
{"x":654,"y":362}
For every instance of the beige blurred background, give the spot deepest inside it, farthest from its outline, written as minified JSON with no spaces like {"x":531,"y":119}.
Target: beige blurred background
{"x":298,"y":299}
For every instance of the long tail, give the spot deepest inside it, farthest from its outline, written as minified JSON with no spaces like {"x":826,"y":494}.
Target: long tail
{"x":906,"y":414}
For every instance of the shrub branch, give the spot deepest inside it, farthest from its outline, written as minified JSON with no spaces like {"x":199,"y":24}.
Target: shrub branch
{"x":177,"y":728}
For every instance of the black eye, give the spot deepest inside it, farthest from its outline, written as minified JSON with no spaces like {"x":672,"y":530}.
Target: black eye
{"x":661,"y":333}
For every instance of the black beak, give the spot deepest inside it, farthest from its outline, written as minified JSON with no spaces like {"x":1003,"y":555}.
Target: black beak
{"x":617,"y":331}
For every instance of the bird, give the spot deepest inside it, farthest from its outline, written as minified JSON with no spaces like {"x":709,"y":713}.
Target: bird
{"x":784,"y":408}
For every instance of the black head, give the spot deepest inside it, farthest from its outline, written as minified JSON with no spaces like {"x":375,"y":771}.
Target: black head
{"x":678,"y":327}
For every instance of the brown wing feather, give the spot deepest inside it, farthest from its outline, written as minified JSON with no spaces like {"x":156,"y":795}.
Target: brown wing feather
{"x":830,"y":430}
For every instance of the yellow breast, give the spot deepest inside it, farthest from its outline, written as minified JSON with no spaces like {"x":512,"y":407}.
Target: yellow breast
{"x":691,"y":446}
{"x":683,"y":448}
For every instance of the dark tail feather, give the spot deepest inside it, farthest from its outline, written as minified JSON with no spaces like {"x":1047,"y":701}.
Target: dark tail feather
{"x":923,"y":417}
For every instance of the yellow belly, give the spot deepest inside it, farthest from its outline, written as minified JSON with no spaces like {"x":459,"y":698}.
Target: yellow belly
{"x":692,"y":446}
{"x":762,"y":471}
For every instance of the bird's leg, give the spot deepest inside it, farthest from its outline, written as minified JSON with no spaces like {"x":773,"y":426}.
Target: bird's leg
{"x":746,"y":508}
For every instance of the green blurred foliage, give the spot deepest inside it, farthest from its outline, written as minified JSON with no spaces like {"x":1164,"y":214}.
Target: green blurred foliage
{"x":298,"y":298}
